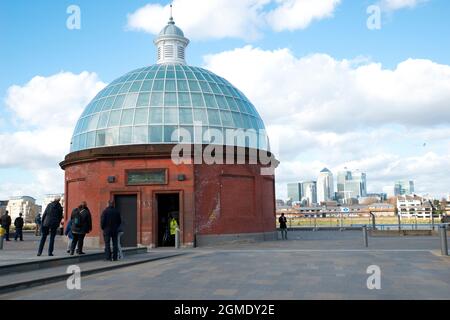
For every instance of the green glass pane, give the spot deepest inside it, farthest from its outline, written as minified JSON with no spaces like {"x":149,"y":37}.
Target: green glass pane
{"x":127,"y":117}
{"x":108,"y":103}
{"x":125,"y":135}
{"x":158,"y":85}
{"x":114,"y":118}
{"x":103,"y":121}
{"x":140,"y":135}
{"x":168,"y":131}
{"x":222,"y":102}
{"x":193,"y":85}
{"x":155,"y":134}
{"x":136,"y":86}
{"x":156,"y":116}
{"x":182,"y":85}
{"x":170,"y":115}
{"x":143,"y":100}
{"x":184,"y":99}
{"x":100,"y":138}
{"x":157,"y":99}
{"x":141,"y":116}
{"x":197,"y":100}
{"x":227,"y":120}
{"x":210,"y":101}
{"x":186,"y":116}
{"x":205,"y":87}
{"x":170,"y":99}
{"x":170,"y":85}
{"x":147,"y":85}
{"x":130,"y":100}
{"x":214,"y":118}
{"x":118,"y":103}
{"x":180,"y":75}
{"x":200,"y":116}
{"x":126,"y":86}
{"x":232,"y":104}
{"x":90,"y":142}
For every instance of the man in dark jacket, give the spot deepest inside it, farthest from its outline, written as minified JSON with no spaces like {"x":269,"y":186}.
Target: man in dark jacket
{"x":283,"y":226}
{"x":51,"y":219}
{"x":110,"y":222}
{"x":18,"y":223}
{"x":81,"y":225}
{"x":5,"y":222}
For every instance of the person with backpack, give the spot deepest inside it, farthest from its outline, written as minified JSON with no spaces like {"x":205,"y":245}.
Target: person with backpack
{"x":18,"y":223}
{"x":51,"y":219}
{"x":38,"y":222}
{"x":5,"y":222}
{"x":81,"y":220}
{"x":69,"y":235}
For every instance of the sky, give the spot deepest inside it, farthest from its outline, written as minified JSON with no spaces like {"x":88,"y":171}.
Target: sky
{"x":339,"y":83}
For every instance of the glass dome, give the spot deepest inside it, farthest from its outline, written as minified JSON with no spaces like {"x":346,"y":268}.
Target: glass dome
{"x":148,"y":105}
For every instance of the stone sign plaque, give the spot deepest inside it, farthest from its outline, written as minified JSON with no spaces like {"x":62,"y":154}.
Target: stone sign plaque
{"x":146,"y":177}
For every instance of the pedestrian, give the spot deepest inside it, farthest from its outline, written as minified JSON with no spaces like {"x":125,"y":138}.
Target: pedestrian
{"x":5,"y":222}
{"x":110,"y":223}
{"x":18,"y":223}
{"x":68,"y":233}
{"x":173,"y":229}
{"x":120,"y":232}
{"x":38,"y":222}
{"x":81,"y":220}
{"x":51,"y":220}
{"x":283,"y":226}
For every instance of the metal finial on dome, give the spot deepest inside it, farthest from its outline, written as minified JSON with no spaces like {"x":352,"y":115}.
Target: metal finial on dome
{"x":171,"y":15}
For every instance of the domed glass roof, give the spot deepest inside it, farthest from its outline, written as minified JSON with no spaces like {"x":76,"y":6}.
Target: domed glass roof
{"x":147,"y":105}
{"x":171,"y":30}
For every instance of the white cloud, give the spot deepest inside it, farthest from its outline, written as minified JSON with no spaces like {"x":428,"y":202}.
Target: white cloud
{"x":57,"y":100}
{"x":391,"y":123}
{"x":294,"y":14}
{"x":318,"y":92}
{"x":246,"y":19}
{"x":392,"y":5}
{"x":45,"y":111}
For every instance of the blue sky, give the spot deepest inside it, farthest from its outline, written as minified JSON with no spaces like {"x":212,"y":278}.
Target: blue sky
{"x":36,"y":42}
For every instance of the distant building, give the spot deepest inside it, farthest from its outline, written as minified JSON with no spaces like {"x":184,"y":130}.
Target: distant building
{"x":325,"y":186}
{"x":404,"y":187}
{"x":309,"y":192}
{"x":3,"y":205}
{"x":25,"y":205}
{"x":50,"y":198}
{"x":351,"y":185}
{"x":294,"y":191}
{"x":413,"y":207}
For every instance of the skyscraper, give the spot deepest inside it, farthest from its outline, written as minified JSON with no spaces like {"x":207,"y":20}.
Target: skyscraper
{"x":351,"y":184}
{"x":325,"y":186}
{"x":404,"y":187}
{"x":294,"y":191}
{"x":309,"y":192}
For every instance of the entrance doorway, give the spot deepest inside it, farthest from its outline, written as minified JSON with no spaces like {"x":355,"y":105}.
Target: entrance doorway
{"x":127,"y":206}
{"x":168,"y":205}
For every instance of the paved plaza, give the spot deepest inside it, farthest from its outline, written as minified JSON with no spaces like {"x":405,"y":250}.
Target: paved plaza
{"x":311,"y":265}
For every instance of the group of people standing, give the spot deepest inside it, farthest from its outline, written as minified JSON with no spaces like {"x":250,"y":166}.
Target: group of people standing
{"x":79,"y":225}
{"x":5,"y":223}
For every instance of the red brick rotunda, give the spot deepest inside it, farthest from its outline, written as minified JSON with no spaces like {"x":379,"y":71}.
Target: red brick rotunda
{"x":123,"y":144}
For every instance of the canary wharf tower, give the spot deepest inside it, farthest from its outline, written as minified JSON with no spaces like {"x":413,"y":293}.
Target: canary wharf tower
{"x":122,"y":145}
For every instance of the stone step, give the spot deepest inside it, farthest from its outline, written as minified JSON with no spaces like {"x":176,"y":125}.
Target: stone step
{"x":50,"y":262}
{"x":19,"y":281}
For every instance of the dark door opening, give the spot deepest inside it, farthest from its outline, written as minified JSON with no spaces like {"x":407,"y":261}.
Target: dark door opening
{"x":168,"y":205}
{"x":127,"y":206}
